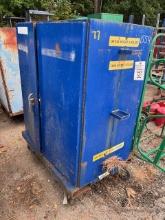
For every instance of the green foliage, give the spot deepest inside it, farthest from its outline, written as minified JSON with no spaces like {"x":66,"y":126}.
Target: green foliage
{"x":64,"y":9}
{"x":17,"y":7}
{"x":83,"y":7}
{"x":135,"y":7}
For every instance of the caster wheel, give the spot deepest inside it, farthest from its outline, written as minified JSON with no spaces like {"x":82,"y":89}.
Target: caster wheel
{"x":124,"y":174}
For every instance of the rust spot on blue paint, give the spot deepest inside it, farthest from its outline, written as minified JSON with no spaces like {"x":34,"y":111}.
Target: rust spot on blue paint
{"x":11,"y":97}
{"x":83,"y":168}
{"x":8,"y":38}
{"x":83,"y":165}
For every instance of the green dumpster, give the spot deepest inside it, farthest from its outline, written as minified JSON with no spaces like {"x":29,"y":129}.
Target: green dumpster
{"x":107,"y":16}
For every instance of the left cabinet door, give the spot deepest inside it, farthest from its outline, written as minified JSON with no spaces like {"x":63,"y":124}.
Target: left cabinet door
{"x":29,"y":79}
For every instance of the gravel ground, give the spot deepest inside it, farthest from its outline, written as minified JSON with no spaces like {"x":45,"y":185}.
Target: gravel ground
{"x":29,"y":192}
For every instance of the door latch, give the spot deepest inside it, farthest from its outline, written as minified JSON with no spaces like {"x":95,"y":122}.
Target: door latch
{"x":119,"y":114}
{"x":31,"y":101}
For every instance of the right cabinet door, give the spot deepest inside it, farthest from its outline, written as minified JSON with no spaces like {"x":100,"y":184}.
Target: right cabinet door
{"x":117,"y":60}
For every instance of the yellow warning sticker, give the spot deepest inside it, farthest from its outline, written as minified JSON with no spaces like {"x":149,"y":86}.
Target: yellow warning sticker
{"x":116,"y":41}
{"x":107,"y":151}
{"x":121,"y":65}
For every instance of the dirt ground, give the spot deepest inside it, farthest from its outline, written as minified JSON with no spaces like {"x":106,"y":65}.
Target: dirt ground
{"x":29,"y":192}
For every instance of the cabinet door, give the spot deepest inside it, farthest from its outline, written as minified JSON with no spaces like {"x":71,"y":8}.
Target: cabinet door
{"x":117,"y":58}
{"x":29,"y":81}
{"x":61,"y":58}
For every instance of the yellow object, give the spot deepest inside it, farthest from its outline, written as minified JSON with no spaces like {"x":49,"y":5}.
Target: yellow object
{"x":117,"y":41}
{"x":120,"y":65}
{"x":107,"y":151}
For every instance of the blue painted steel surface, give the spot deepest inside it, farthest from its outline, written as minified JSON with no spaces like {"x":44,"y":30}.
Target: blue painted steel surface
{"x":82,"y":102}
{"x":29,"y":81}
{"x":61,"y":71}
{"x":109,"y":90}
{"x":10,"y":85}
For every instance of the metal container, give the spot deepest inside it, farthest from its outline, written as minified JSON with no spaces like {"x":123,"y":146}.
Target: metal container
{"x":107,"y":16}
{"x":81,"y":101}
{"x":10,"y":85}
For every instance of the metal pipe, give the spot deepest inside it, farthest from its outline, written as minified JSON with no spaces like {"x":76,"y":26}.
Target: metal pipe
{"x":131,"y":19}
{"x":102,"y":176}
{"x":157,"y":21}
{"x":143,"y":19}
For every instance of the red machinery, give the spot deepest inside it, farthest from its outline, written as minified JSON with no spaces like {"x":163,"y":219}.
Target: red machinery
{"x":156,"y":108}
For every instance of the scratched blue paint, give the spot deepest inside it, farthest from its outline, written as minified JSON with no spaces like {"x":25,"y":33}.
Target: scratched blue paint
{"x":29,"y":81}
{"x":107,"y":91}
{"x":62,"y":72}
{"x":78,"y":93}
{"x":11,"y":72}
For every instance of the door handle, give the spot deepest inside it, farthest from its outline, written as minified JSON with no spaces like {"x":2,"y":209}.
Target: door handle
{"x":31,"y":101}
{"x":127,"y":51}
{"x":119,"y":114}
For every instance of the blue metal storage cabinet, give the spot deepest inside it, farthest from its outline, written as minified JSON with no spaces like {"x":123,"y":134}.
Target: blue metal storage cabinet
{"x":81,"y":100}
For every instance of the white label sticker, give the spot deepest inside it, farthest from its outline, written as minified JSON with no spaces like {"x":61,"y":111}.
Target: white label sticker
{"x":22,"y":30}
{"x":139,"y":70}
{"x":23,"y":48}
